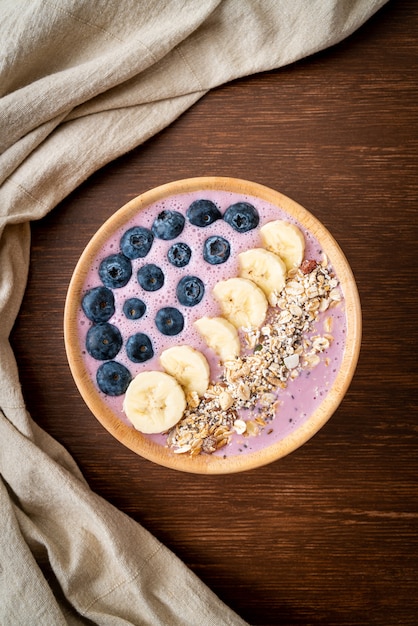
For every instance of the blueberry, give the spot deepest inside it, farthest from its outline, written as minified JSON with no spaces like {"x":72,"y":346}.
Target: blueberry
{"x":202,"y":213}
{"x":113,"y":378}
{"x":139,"y":348}
{"x":115,"y":271}
{"x":134,"y":308}
{"x":190,"y":290}
{"x":136,"y":242}
{"x":168,"y":225}
{"x":179,"y":254}
{"x":98,"y":304}
{"x":169,"y":321}
{"x":242,"y":216}
{"x":150,"y":277}
{"x":103,"y":341}
{"x":216,"y":250}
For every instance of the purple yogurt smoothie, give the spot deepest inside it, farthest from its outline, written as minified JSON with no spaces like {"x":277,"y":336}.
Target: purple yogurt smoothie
{"x":301,"y":396}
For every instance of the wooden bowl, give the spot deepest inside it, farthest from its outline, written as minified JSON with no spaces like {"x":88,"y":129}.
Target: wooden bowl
{"x":249,"y":452}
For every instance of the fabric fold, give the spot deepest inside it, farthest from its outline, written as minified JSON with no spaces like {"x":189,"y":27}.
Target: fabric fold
{"x":117,"y":562}
{"x":95,"y":52}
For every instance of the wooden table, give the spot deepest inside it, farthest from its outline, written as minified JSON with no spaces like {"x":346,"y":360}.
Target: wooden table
{"x":329,"y":534}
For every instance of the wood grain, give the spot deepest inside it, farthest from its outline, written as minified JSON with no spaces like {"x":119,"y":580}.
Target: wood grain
{"x":329,"y":534}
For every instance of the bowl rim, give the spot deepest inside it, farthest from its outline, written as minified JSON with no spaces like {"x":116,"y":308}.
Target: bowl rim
{"x":213,"y":464}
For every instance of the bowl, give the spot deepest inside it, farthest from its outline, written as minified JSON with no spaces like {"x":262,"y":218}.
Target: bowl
{"x":294,"y":367}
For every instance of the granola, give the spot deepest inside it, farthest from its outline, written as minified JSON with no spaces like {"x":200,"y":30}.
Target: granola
{"x":271,"y":356}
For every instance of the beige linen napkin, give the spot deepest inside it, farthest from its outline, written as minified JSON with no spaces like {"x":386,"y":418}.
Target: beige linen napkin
{"x":82,"y":82}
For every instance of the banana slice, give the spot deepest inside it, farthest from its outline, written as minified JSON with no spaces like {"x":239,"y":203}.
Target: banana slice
{"x":265,"y":269}
{"x":286,"y":240}
{"x":242,"y":302}
{"x":154,"y":402}
{"x":220,"y":335}
{"x":188,"y":366}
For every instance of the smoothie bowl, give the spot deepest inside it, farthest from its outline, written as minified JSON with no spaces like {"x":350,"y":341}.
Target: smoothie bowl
{"x":212,"y":325}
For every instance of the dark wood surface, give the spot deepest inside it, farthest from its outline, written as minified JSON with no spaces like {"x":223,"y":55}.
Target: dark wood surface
{"x":328,"y":535}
